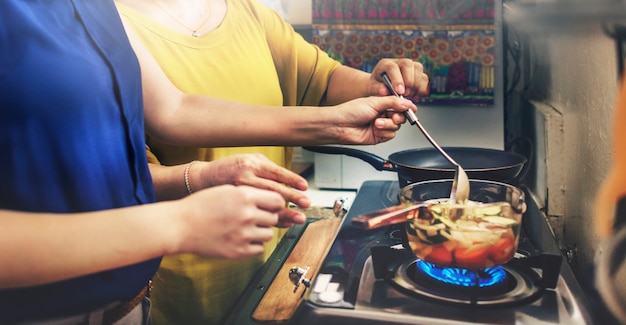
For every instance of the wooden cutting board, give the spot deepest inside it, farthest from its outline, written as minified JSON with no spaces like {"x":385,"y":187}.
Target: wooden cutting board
{"x":280,"y":301}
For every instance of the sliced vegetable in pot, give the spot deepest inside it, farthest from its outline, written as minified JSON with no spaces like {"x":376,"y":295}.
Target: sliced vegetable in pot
{"x":472,"y":257}
{"x":475,"y":236}
{"x":440,"y":255}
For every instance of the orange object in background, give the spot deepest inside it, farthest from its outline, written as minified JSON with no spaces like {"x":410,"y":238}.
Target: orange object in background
{"x":613,"y":188}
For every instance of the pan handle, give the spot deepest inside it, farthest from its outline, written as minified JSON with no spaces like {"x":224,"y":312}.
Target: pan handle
{"x":390,"y":215}
{"x":370,"y":158}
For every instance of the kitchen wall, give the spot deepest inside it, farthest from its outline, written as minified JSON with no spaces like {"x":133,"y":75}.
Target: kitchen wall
{"x":296,"y":12}
{"x":569,"y":79}
{"x":581,"y":84}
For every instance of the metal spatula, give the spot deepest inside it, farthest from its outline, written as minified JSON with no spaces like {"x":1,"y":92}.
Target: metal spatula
{"x":460,"y":184}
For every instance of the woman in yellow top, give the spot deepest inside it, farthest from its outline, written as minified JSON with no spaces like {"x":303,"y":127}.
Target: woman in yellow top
{"x":241,"y":51}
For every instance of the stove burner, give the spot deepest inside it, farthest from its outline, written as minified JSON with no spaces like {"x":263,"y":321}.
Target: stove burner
{"x":463,"y":277}
{"x":500,"y":286}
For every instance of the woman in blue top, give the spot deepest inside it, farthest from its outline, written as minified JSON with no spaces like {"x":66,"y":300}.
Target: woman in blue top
{"x":80,"y":234}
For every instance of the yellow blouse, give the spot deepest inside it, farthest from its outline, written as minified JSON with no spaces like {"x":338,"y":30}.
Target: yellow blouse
{"x":252,"y":57}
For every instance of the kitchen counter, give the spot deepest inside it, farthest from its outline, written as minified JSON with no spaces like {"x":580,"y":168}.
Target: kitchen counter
{"x":325,"y":197}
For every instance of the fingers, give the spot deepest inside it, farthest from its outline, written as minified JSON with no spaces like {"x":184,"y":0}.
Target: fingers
{"x":283,"y":175}
{"x":255,"y":226}
{"x":252,"y":249}
{"x":264,"y":209}
{"x":275,"y":213}
{"x":258,"y":171}
{"x":387,"y":104}
{"x":290,"y":195}
{"x":423,"y":85}
{"x":406,"y":81}
{"x":394,"y":71}
{"x":282,"y":181}
{"x":251,"y":242}
{"x":396,"y":118}
{"x":407,"y":77}
{"x":288,"y":217}
{"x":384,"y":130}
{"x":230,"y":221}
{"x":268,"y":201}
{"x":385,"y":125}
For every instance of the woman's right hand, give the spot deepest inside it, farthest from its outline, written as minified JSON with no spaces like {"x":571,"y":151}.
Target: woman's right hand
{"x":224,"y":221}
{"x":228,"y":221}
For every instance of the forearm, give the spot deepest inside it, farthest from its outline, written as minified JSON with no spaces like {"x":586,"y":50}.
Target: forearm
{"x":190,"y":120}
{"x":200,"y":121}
{"x":43,"y":248}
{"x":346,"y":84}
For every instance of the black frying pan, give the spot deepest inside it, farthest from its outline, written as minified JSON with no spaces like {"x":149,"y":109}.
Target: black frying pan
{"x":416,"y":165}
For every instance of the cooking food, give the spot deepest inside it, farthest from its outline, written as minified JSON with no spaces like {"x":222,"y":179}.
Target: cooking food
{"x":482,"y":233}
{"x":472,"y":235}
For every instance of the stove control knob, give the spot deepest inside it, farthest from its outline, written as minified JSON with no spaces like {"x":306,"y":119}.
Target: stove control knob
{"x":297,"y":276}
{"x":341,"y":206}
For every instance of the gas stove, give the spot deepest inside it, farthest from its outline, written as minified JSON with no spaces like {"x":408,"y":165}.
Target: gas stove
{"x":369,"y":277}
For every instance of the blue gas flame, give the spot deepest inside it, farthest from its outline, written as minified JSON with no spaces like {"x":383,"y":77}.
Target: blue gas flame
{"x":464,"y":277}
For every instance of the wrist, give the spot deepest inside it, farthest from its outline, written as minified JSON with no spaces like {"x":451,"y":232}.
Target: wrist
{"x":187,"y":177}
{"x":167,"y":226}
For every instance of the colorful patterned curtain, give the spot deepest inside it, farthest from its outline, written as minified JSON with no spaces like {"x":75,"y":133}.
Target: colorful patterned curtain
{"x":453,"y":39}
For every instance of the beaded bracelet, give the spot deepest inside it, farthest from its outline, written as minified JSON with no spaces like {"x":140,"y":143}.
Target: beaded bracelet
{"x":187,"y":176}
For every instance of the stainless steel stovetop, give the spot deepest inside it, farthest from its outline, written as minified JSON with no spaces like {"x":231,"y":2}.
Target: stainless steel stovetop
{"x":368,"y":278}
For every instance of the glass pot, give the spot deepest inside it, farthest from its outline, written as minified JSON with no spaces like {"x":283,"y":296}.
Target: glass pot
{"x":483,"y":233}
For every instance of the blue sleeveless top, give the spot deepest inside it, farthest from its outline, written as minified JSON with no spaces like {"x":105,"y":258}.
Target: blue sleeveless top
{"x":71,"y":136}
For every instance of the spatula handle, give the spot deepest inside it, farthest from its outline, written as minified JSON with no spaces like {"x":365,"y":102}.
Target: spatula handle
{"x":410,"y":115}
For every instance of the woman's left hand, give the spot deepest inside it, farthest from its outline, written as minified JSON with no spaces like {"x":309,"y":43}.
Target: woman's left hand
{"x":407,"y":77}
{"x":257,"y":171}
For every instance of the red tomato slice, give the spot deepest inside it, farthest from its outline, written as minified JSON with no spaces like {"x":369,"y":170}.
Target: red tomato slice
{"x":439,"y":255}
{"x":471,"y":257}
{"x":502,"y":251}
